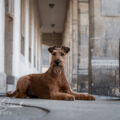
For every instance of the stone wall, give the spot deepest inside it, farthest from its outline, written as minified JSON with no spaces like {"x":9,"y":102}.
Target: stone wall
{"x":83,"y":45}
{"x":92,"y":33}
{"x":16,"y":61}
{"x":2,"y":51}
{"x":105,"y":29}
{"x":104,"y":36}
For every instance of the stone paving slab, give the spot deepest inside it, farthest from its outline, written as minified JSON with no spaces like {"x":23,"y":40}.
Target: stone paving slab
{"x":101,"y":109}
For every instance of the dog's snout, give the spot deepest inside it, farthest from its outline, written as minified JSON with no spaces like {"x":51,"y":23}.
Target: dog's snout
{"x":57,"y":62}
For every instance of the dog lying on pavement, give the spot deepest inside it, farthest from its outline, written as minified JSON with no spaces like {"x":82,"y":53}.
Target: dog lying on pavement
{"x":51,"y":84}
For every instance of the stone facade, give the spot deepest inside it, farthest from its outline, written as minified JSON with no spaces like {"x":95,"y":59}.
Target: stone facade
{"x":2,"y":51}
{"x":97,"y":47}
{"x":14,"y":63}
{"x":104,"y":36}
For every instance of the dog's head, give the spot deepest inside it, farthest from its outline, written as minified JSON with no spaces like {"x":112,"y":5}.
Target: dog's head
{"x":58,"y":57}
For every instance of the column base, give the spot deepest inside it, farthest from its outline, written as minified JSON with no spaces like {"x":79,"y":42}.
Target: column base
{"x":2,"y":84}
{"x":11,"y":81}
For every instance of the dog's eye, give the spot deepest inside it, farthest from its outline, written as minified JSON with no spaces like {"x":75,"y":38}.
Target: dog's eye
{"x":62,"y":54}
{"x":54,"y":54}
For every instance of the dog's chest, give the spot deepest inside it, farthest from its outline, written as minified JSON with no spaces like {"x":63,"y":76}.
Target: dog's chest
{"x":59,"y":82}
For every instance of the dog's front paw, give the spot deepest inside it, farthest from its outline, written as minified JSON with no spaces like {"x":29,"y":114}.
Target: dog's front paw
{"x":84,"y":97}
{"x":70,"y":97}
{"x":90,"y":97}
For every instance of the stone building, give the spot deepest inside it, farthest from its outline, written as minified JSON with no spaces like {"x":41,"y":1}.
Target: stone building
{"x":92,"y":30}
{"x":89,"y":27}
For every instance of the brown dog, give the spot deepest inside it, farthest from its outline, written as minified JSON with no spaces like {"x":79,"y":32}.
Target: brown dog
{"x":51,"y":84}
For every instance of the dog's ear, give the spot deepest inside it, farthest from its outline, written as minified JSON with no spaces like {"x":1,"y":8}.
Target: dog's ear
{"x":66,"y":49}
{"x":50,"y":49}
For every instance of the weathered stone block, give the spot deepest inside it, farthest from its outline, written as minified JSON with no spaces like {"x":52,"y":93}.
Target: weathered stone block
{"x":110,"y":7}
{"x":84,"y":20}
{"x":83,"y":7}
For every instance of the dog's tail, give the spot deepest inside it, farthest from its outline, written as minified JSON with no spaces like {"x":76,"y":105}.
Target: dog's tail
{"x":11,"y":94}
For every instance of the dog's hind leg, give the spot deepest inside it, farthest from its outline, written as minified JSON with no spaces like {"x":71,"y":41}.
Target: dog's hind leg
{"x":22,"y":86}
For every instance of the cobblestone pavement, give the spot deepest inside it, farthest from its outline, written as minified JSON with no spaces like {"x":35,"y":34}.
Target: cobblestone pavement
{"x":37,"y":109}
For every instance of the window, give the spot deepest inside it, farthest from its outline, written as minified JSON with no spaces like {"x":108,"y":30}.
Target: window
{"x":30,"y":54}
{"x":34,"y":61}
{"x":23,"y":27}
{"x":9,"y":7}
{"x":30,"y":30}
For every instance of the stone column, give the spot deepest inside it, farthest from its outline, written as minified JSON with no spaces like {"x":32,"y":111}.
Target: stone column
{"x":75,"y":39}
{"x":27,"y":31}
{"x":8,"y":66}
{"x":16,"y":37}
{"x":32,"y":40}
{"x":35,"y":40}
{"x":71,"y":42}
{"x":36,"y":54}
{"x":40,"y":50}
{"x":2,"y":26}
{"x":83,"y":43}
